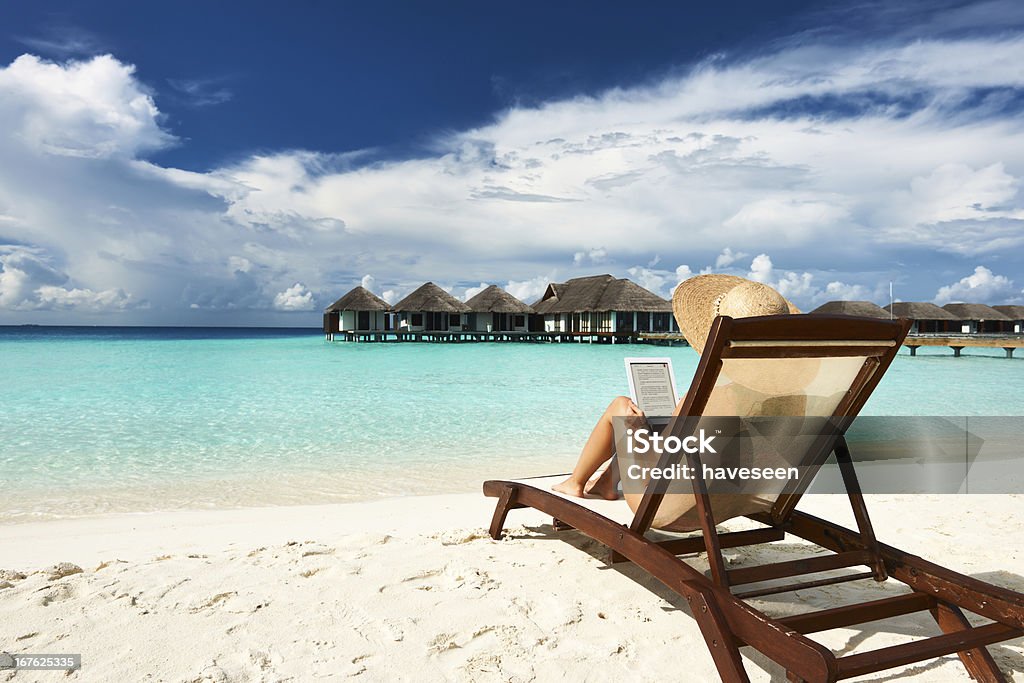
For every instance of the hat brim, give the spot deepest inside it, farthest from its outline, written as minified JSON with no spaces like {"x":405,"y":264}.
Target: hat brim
{"x":695,"y":304}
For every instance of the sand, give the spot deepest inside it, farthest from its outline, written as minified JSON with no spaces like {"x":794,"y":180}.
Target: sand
{"x":413,"y":589}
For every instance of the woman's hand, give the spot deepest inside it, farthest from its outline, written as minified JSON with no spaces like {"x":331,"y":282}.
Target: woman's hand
{"x":635,"y":418}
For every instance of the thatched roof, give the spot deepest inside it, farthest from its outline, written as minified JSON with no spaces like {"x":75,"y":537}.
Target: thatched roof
{"x":919,"y":310}
{"x":430,"y":298}
{"x":864,"y":309}
{"x":494,"y":299}
{"x":599,"y":293}
{"x":359,"y":299}
{"x":974,"y":312}
{"x":1011,"y":312}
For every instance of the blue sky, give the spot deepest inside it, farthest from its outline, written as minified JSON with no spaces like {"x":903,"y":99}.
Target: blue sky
{"x":246,"y":164}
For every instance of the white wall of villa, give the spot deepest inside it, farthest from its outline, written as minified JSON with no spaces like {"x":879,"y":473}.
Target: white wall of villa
{"x":423,"y":321}
{"x":610,"y":321}
{"x":498,"y":322}
{"x":362,"y":321}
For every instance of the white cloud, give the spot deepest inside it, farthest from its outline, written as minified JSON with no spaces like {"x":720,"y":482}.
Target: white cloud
{"x":660,"y":282}
{"x":982,"y":286}
{"x":728,"y":257}
{"x":202,"y":92}
{"x":843,"y":291}
{"x":592,"y":257}
{"x":368,"y":282}
{"x":801,"y":287}
{"x":473,"y":291}
{"x":94,"y":108}
{"x":683,"y":272}
{"x":665,"y":172}
{"x":51,"y":297}
{"x":956,"y":191}
{"x":788,"y":219}
{"x":529,"y":290}
{"x":295,"y":298}
{"x":239,"y":264}
{"x":761,"y":269}
{"x":28,"y":282}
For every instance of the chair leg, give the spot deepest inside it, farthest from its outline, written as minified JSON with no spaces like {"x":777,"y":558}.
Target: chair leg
{"x":978,"y":662}
{"x":719,"y":639}
{"x":860,"y":509}
{"x":505,"y":502}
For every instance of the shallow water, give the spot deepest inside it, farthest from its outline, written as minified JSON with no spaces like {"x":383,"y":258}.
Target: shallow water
{"x":109,"y":419}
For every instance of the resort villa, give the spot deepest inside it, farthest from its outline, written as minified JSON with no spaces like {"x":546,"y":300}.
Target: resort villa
{"x":495,"y":310}
{"x":605,"y":305}
{"x":1016,"y":316}
{"x":978,"y":318}
{"x":431,"y":309}
{"x":360,"y":310}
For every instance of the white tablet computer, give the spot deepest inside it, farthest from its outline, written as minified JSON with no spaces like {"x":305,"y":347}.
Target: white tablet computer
{"x":652,"y":385}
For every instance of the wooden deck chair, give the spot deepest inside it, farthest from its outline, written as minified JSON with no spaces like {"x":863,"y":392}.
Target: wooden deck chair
{"x":850,"y":356}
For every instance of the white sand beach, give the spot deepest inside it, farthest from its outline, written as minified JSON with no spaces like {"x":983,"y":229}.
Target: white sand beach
{"x":414,"y":589}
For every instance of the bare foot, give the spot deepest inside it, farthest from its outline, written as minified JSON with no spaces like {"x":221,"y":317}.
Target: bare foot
{"x":604,"y":485}
{"x":569,"y":487}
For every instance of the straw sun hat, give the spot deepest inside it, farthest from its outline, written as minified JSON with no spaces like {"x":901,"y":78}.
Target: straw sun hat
{"x":698,"y":301}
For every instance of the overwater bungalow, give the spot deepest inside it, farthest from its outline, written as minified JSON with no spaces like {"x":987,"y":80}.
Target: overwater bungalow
{"x":359,"y":310}
{"x":928,"y":318}
{"x":603,"y":305}
{"x":495,"y":310}
{"x":1016,"y":316}
{"x":430,"y":309}
{"x":978,"y":318}
{"x":864,"y":309}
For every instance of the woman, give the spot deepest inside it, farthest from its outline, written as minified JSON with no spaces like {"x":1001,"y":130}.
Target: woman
{"x":696,"y":303}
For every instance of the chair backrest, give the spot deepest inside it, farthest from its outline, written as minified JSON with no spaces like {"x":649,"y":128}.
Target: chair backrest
{"x":800,"y":366}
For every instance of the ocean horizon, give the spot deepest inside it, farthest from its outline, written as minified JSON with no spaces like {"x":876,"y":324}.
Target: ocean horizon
{"x":139,"y":419}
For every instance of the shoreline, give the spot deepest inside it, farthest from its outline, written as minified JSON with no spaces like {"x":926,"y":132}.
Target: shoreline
{"x":137,"y":535}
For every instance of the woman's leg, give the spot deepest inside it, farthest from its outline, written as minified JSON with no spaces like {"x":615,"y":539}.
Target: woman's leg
{"x":596,"y":452}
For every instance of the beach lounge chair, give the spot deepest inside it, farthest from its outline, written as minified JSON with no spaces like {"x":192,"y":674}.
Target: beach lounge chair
{"x":851,"y":355}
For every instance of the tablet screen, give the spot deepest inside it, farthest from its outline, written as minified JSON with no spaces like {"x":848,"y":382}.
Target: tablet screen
{"x":652,"y":385}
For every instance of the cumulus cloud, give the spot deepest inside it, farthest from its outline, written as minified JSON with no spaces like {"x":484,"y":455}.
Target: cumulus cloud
{"x":981,"y":286}
{"x":529,"y":290}
{"x":295,"y":298}
{"x":803,"y":288}
{"x":473,"y":291}
{"x":591,"y":257}
{"x":661,"y":282}
{"x":94,"y":108}
{"x":844,"y":291}
{"x":368,"y":282}
{"x":840,"y":159}
{"x":728,"y":257}
{"x":29,"y":283}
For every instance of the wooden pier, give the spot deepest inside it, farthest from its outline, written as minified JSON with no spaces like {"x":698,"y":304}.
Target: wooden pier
{"x":959,"y":342}
{"x":1008,"y":343}
{"x":457,"y":337}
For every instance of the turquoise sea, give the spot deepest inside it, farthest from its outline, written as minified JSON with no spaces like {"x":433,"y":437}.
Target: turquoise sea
{"x":135,"y":419}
